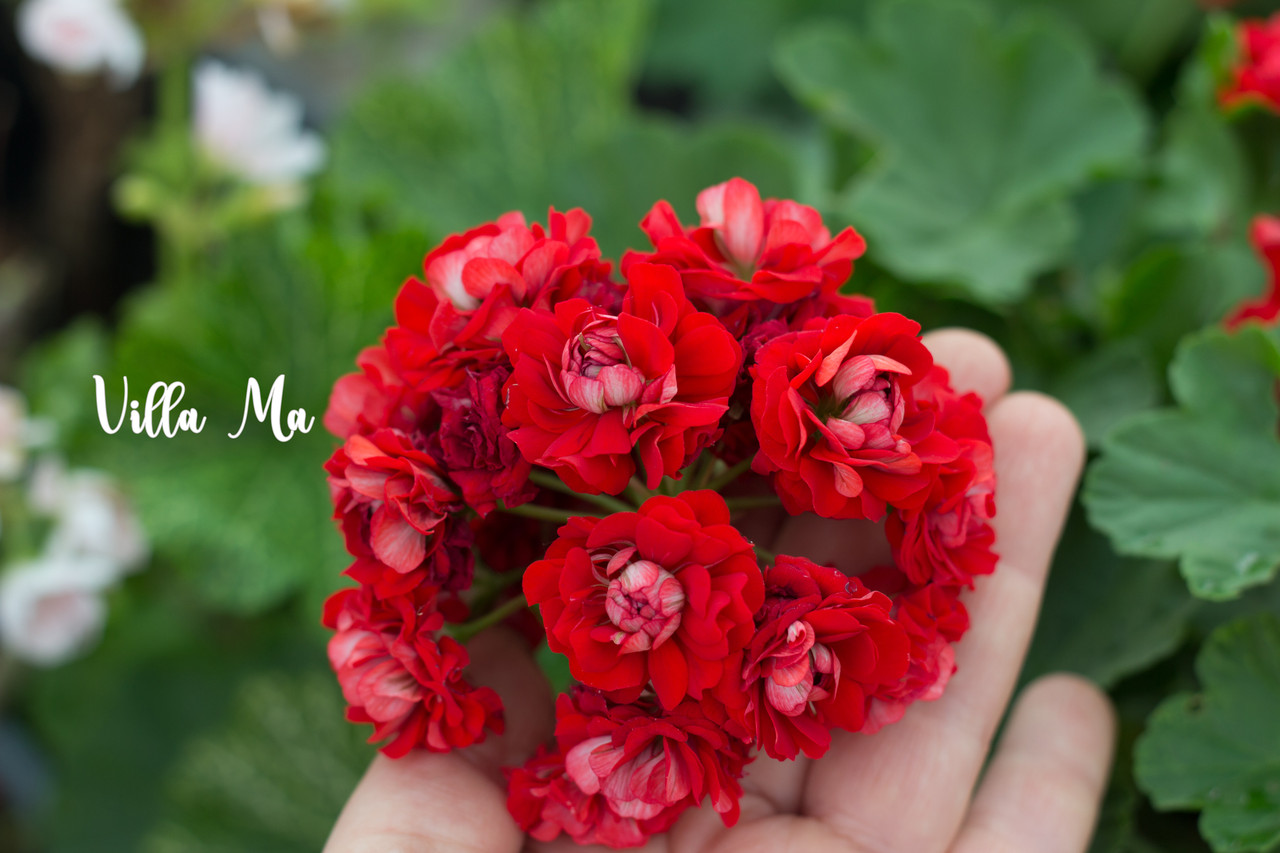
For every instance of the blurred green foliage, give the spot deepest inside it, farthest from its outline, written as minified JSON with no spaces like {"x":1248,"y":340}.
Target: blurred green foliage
{"x":1054,"y":173}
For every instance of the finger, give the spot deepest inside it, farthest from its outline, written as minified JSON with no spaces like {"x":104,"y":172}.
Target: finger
{"x":500,"y":659}
{"x":1042,"y":790}
{"x":976,"y":363}
{"x":454,"y":801}
{"x":907,"y":787}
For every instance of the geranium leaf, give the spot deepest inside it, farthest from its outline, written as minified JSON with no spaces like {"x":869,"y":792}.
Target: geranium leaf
{"x":1104,"y":616}
{"x":1219,"y":751}
{"x":272,"y":779}
{"x":536,"y":111}
{"x":1107,"y":385}
{"x":1172,"y":290}
{"x":1201,"y":483}
{"x":984,"y":130}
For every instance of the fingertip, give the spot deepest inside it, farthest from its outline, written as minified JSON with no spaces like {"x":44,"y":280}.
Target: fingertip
{"x":1076,"y":702}
{"x":976,"y":362}
{"x":1050,"y":418}
{"x":424,"y":801}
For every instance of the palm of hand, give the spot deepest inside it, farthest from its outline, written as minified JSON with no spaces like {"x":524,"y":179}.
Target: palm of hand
{"x":908,"y":789}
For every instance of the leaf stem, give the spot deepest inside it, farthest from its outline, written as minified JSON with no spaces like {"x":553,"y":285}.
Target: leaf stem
{"x":730,"y":475}
{"x":464,"y":632}
{"x":636,"y":492}
{"x":543,"y":513}
{"x":550,"y":481}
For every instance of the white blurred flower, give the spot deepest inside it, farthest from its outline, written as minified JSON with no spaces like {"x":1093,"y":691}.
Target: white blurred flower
{"x":51,"y":609}
{"x":276,"y":19}
{"x":92,"y":518}
{"x":13,"y":421}
{"x":251,"y":131}
{"x":82,"y":37}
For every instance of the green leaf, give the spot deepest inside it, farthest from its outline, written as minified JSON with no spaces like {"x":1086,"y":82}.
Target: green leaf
{"x":985,"y":128}
{"x":1172,"y":290}
{"x":1104,"y":616}
{"x":1137,"y":35}
{"x":1202,"y":178}
{"x":114,"y":721}
{"x":1201,"y":483}
{"x":273,"y":779}
{"x":719,"y":49}
{"x":535,"y":112}
{"x":1219,"y":751}
{"x":555,"y":667}
{"x":1107,"y":385}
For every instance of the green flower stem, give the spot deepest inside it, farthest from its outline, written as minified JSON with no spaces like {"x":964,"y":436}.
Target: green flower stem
{"x":552,"y":482}
{"x":760,"y":502}
{"x":464,"y":632}
{"x":637,"y":493}
{"x":543,"y":513}
{"x":702,"y":472}
{"x":764,"y":555}
{"x":730,"y":475}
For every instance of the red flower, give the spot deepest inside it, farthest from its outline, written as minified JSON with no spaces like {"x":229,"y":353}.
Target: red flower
{"x":395,"y":505}
{"x":589,"y":387}
{"x":395,"y":675}
{"x":374,"y":398}
{"x":662,"y":595}
{"x":1256,"y":76}
{"x":1264,"y":234}
{"x":949,"y":539}
{"x":831,"y":410}
{"x":746,"y":250}
{"x":476,"y":283}
{"x":475,"y":448}
{"x":933,"y":618}
{"x":621,"y":773}
{"x":823,"y":644}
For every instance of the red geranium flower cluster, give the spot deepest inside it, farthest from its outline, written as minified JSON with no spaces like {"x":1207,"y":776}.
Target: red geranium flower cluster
{"x":532,"y":418}
{"x":1255,"y":78}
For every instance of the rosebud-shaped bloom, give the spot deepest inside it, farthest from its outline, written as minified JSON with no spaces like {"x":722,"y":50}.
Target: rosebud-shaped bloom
{"x":949,"y":539}
{"x":621,"y":773}
{"x":774,"y":253}
{"x":475,"y":284}
{"x":1264,"y":234}
{"x":51,"y":609}
{"x":836,"y":427}
{"x":252,"y":132}
{"x":591,"y":388}
{"x":664,"y":595}
{"x":396,"y":505}
{"x":933,"y":618}
{"x":1256,"y":76}
{"x":823,"y":644}
{"x":397,"y":676}
{"x":82,"y":37}
{"x":475,"y":447}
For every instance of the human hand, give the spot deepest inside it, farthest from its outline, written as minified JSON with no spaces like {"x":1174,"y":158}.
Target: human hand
{"x":910,"y":788}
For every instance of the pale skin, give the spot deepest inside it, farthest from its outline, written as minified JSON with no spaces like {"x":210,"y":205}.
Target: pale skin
{"x":917,"y":786}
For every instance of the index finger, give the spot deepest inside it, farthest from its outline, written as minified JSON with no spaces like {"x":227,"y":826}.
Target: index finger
{"x":908,"y":787}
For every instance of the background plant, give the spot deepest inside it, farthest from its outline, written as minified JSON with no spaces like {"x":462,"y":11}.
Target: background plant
{"x":1056,"y":173}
